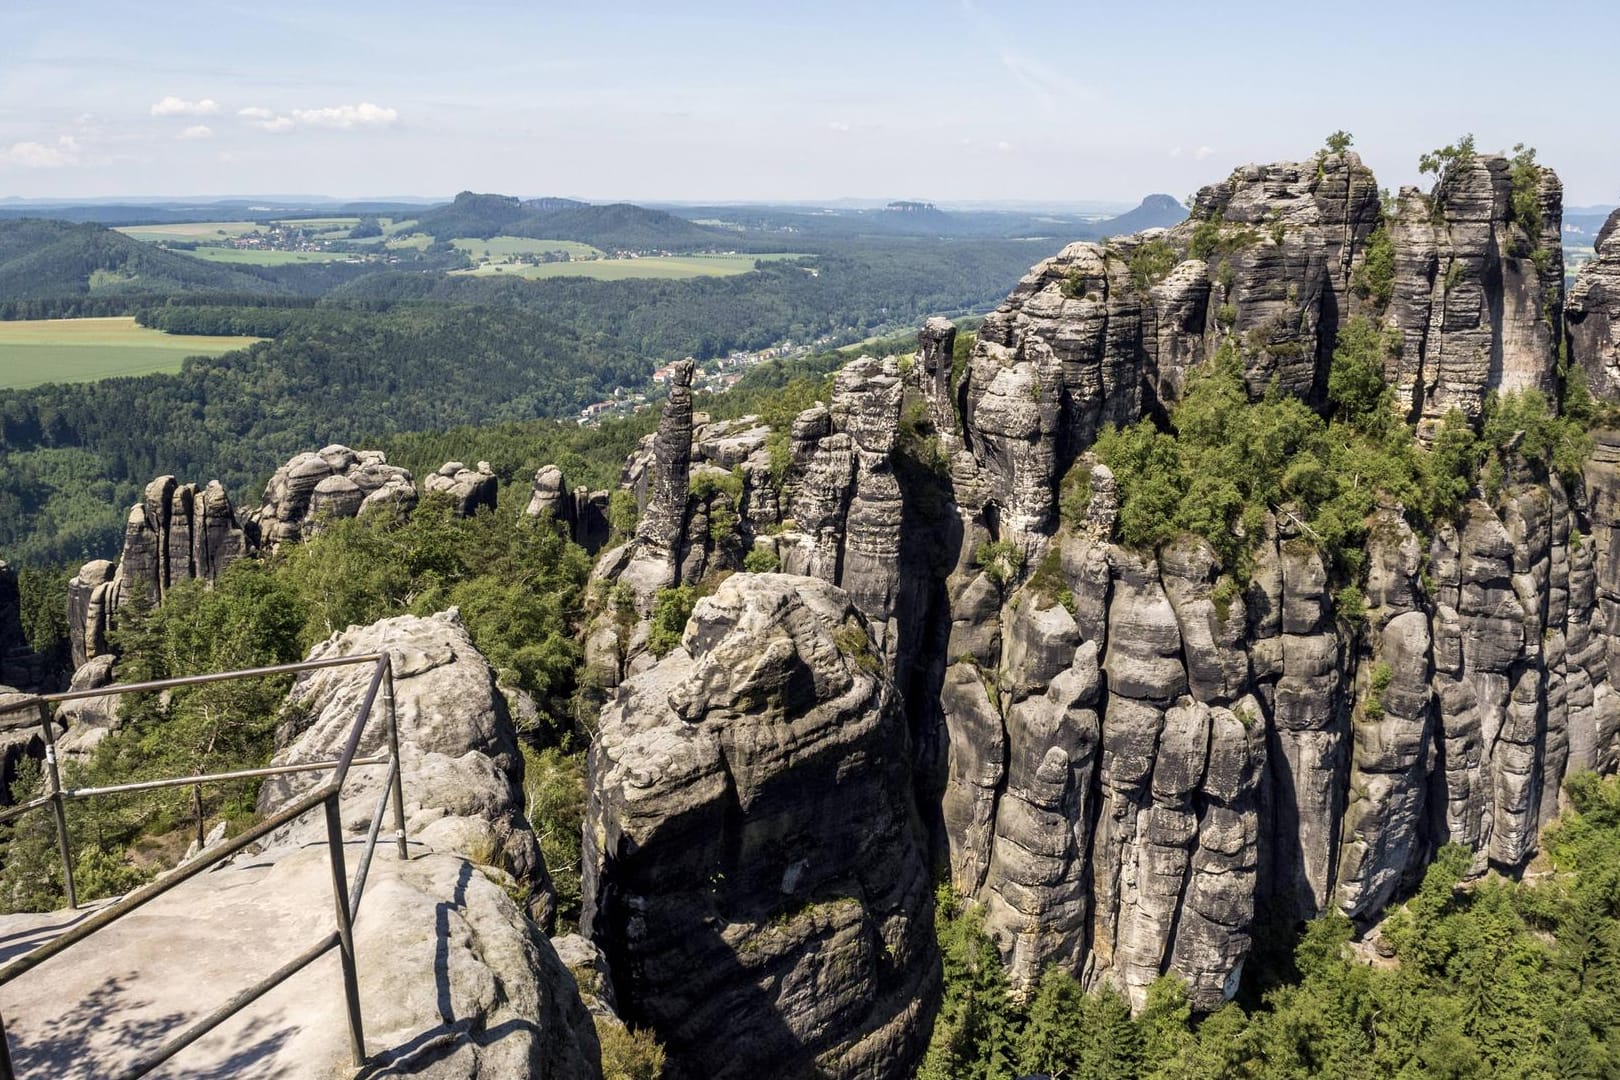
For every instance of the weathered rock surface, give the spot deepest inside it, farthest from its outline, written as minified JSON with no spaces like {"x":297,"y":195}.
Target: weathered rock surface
{"x":335,"y":482}
{"x":1592,"y":314}
{"x":1125,"y":755}
{"x":584,"y":513}
{"x":178,"y":532}
{"x":754,"y":868}
{"x":463,"y":772}
{"x":468,"y":489}
{"x":1476,"y":291}
{"x":91,"y":596}
{"x":455,"y":983}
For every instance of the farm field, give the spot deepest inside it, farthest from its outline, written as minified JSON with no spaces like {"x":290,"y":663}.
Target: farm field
{"x":263,"y":257}
{"x":499,"y":246}
{"x":676,"y":267}
{"x":84,"y":350}
{"x":189,"y":231}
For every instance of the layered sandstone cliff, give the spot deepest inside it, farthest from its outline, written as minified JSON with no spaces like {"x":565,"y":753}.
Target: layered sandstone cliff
{"x":1130,"y":756}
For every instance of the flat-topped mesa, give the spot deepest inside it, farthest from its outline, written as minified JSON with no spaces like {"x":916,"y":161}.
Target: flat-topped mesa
{"x":1478,"y":287}
{"x":1592,"y":314}
{"x":334,"y":482}
{"x":469,"y":489}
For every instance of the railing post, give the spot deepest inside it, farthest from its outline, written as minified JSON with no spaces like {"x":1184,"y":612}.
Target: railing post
{"x":6,"y":1072}
{"x":345,"y":929}
{"x":393,"y":750}
{"x":53,"y":777}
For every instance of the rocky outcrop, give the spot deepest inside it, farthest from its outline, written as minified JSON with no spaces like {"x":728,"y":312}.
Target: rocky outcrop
{"x":1476,"y":291}
{"x":90,"y":601}
{"x":469,"y":490}
{"x":583,"y":512}
{"x":1125,"y":755}
{"x":754,"y":868}
{"x":334,"y":482}
{"x":455,"y":981}
{"x":178,"y":532}
{"x":1592,"y":314}
{"x":463,"y":773}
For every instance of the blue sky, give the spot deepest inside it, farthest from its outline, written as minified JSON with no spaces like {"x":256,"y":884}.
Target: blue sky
{"x":951,"y":101}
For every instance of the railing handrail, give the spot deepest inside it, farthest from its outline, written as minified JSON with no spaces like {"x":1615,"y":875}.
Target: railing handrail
{"x":346,"y":900}
{"x":32,"y":701}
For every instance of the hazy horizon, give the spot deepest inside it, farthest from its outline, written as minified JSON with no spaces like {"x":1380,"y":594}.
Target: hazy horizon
{"x":951,"y":102}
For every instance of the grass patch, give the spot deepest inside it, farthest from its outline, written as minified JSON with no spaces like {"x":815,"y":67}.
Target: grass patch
{"x":261,"y":257}
{"x":674,"y":267}
{"x":502,"y":246}
{"x":39,"y":351}
{"x":189,"y":230}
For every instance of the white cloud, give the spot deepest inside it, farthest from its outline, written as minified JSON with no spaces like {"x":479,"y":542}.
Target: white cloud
{"x":345,"y":117}
{"x":1175,"y":151}
{"x":1203,"y":152}
{"x":197,"y":131}
{"x":173,"y":106}
{"x":1004,"y":146}
{"x":33,"y":155}
{"x":837,"y":125}
{"x":266,"y":119}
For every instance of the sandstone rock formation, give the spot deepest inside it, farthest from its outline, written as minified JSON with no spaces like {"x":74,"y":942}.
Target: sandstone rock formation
{"x":754,"y":869}
{"x":463,"y":772}
{"x":468,"y":489}
{"x":1592,"y":314}
{"x":178,"y":532}
{"x":1126,"y":755}
{"x":1476,"y":290}
{"x":583,"y":512}
{"x":455,"y":981}
{"x":337,"y":482}
{"x":91,"y":596}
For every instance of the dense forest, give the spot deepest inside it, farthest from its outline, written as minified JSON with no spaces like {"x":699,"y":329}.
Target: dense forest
{"x":616,"y":227}
{"x":425,"y":352}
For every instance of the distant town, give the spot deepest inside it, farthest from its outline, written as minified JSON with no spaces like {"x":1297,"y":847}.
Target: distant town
{"x":715,"y":376}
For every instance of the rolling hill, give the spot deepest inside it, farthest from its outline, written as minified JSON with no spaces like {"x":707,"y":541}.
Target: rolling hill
{"x":42,"y":260}
{"x":615,"y":227}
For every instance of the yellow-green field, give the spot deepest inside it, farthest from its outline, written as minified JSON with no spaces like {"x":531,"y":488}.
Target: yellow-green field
{"x":506,"y":246}
{"x":192,"y":230}
{"x":679,"y":267}
{"x":83,"y":350}
{"x":319,"y":222}
{"x":260,"y":257}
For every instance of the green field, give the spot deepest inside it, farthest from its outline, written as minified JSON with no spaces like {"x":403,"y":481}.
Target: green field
{"x":194,"y":230}
{"x":678,"y":267}
{"x":259,"y":257}
{"x":84,"y":350}
{"x":506,"y":246}
{"x":319,"y":222}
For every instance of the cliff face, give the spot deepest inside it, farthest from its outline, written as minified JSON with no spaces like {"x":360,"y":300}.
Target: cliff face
{"x":1477,"y":290}
{"x":754,"y":869}
{"x":1592,"y":314}
{"x":1125,"y":756}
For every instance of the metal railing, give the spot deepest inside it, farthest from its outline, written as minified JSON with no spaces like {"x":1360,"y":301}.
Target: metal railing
{"x":346,"y":898}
